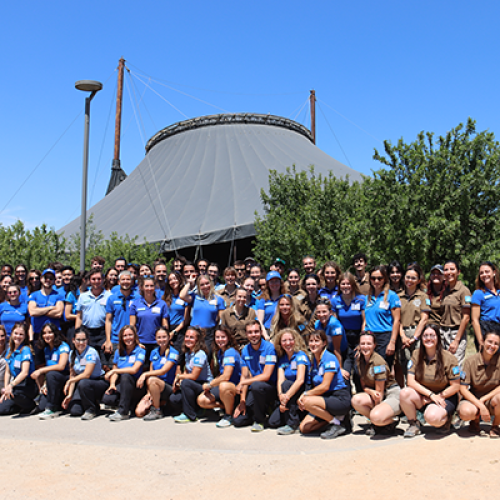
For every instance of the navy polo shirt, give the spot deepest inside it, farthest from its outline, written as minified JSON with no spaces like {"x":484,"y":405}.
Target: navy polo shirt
{"x":148,"y":318}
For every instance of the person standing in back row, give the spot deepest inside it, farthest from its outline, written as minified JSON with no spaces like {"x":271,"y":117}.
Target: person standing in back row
{"x":91,"y":314}
{"x":456,"y":312}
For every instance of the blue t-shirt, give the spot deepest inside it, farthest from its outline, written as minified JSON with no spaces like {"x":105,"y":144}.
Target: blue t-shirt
{"x":378,"y":313}
{"x":158,"y":361}
{"x":148,"y":318}
{"x":489,"y":304}
{"x":349,"y":315}
{"x":269,"y":308}
{"x":72,"y":299}
{"x":128,"y":360}
{"x":332,"y":329}
{"x":52,"y":355}
{"x":328,"y":363}
{"x":119,"y":307}
{"x":256,"y":359}
{"x":42,"y":300}
{"x":231,"y":357}
{"x":87,"y":357}
{"x":326,"y":292}
{"x":176,"y":311}
{"x":19,"y":356}
{"x":290,"y":366}
{"x":204,"y":312}
{"x":199,"y":360}
{"x":10,"y":315}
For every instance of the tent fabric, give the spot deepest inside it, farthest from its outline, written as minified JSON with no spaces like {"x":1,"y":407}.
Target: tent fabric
{"x":202,"y":185}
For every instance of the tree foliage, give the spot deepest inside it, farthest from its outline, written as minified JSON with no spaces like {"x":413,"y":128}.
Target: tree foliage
{"x":37,"y":247}
{"x":435,"y":199}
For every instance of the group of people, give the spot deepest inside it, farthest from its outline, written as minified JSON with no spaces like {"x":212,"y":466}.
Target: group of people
{"x":294,"y":354}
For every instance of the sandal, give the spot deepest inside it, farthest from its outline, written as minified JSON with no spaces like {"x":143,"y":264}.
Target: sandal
{"x":495,"y":431}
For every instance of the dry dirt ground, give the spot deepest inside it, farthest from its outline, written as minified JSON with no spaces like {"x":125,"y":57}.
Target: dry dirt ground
{"x":67,"y":458}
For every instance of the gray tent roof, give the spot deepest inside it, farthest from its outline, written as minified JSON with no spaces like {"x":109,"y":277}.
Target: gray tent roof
{"x":200,"y":180}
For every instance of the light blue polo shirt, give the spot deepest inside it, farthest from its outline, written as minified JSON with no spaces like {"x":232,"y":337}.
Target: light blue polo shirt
{"x":489,"y":304}
{"x":378,"y":313}
{"x":93,"y":308}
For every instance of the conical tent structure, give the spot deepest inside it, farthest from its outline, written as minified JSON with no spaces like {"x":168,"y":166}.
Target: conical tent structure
{"x":200,"y":180}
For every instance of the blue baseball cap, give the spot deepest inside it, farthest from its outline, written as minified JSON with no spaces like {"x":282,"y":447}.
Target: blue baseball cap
{"x":273,"y":274}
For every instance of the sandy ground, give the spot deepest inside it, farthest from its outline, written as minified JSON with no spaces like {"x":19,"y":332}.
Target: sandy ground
{"x":67,"y":458}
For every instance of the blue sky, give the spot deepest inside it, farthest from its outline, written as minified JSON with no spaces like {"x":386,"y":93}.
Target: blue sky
{"x":381,"y":70}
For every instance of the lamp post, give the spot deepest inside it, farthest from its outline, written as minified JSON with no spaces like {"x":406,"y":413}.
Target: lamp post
{"x":93,"y":87}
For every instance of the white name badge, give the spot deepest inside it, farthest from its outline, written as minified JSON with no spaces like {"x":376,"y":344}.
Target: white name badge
{"x":156,"y":310}
{"x":384,"y":305}
{"x":355,"y":307}
{"x":293,"y":365}
{"x":17,"y":363}
{"x":103,"y":302}
{"x":163,"y":361}
{"x":213,"y":302}
{"x":179,"y":302}
{"x":262,"y":360}
{"x":132,"y":359}
{"x":54,"y":357}
{"x":321,"y":370}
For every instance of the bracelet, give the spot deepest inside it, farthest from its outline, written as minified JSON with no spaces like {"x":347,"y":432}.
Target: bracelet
{"x":430,"y":395}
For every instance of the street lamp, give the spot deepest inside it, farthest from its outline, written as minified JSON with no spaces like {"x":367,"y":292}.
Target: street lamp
{"x":93,"y":87}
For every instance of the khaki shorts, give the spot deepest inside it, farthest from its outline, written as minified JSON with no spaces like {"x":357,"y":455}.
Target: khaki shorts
{"x":392,"y":398}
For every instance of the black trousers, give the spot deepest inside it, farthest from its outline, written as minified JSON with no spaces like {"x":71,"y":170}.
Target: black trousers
{"x":55,"y":381}
{"x":127,"y":394}
{"x":23,"y":399}
{"x":187,"y":396}
{"x":97,"y":337}
{"x":260,"y":397}
{"x":292,"y":416}
{"x":87,"y":396}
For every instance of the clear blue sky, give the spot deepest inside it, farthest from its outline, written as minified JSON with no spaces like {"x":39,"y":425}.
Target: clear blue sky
{"x":381,"y":70}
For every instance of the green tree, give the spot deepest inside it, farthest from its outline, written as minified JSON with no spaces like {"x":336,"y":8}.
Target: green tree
{"x":305,"y":213}
{"x":437,"y":200}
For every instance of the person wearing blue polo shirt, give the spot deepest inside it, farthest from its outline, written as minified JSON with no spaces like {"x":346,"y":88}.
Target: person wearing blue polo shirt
{"x":118,"y":311}
{"x":178,"y":310}
{"x":485,"y":302}
{"x":257,"y":387}
{"x":206,"y":306}
{"x":328,"y":401}
{"x":330,"y":272}
{"x":91,"y":314}
{"x":160,"y":274}
{"x":45,"y":305}
{"x":52,"y":378}
{"x":147,"y":313}
{"x":293,"y":367}
{"x":85,"y":387}
{"x":20,"y":389}
{"x":267,"y":304}
{"x":383,"y":313}
{"x":349,"y":308}
{"x":194,"y":371}
{"x":221,"y":391}
{"x":128,"y":363}
{"x":337,"y":341}
{"x":159,"y":378}
{"x":13,"y":311}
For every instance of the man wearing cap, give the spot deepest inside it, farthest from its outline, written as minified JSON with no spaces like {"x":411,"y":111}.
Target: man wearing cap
{"x":278,"y":265}
{"x":45,"y":305}
{"x":91,"y":313}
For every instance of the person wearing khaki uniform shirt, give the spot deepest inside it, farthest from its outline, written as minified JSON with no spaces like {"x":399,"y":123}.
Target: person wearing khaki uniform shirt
{"x":237,"y":317}
{"x":433,"y":383}
{"x":456,"y":304}
{"x":480,"y":387}
{"x":379,"y":400}
{"x":415,"y":308}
